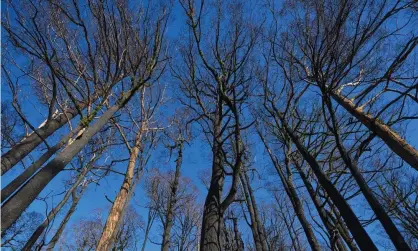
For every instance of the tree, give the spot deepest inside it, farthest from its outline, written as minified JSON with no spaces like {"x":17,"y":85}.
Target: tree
{"x":142,"y":66}
{"x":214,"y":79}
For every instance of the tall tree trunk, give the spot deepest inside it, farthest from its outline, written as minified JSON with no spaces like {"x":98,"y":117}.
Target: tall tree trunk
{"x":326,"y":217}
{"x":24,"y":147}
{"x":41,"y":228}
{"x":32,"y":169}
{"x":212,"y":238}
{"x":13,"y":208}
{"x":151,"y":217}
{"x":294,"y":198}
{"x":382,"y":216}
{"x":237,"y":235}
{"x":116,"y":212}
{"x":172,"y":201}
{"x":75,"y":199}
{"x":256,"y":226}
{"x":395,"y":142}
{"x":359,"y":233}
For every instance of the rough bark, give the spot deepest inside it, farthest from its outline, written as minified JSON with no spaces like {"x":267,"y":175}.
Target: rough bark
{"x":13,"y":208}
{"x":395,"y":142}
{"x":212,"y":238}
{"x":381,"y":215}
{"x":41,"y":228}
{"x":359,"y":233}
{"x":116,"y":212}
{"x":32,"y":169}
{"x":169,"y":221}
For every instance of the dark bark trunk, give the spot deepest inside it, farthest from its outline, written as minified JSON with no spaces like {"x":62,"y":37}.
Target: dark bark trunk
{"x":13,"y":208}
{"x":395,"y":142}
{"x":325,"y":217}
{"x":75,"y":199}
{"x":41,"y":228}
{"x":237,"y":236}
{"x":212,"y":238}
{"x":359,"y":233}
{"x":172,"y":201}
{"x":257,"y":228}
{"x":294,"y":199}
{"x":381,"y":215}
{"x":32,"y":169}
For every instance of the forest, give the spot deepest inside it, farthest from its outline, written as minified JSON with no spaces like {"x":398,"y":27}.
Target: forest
{"x":211,"y":125}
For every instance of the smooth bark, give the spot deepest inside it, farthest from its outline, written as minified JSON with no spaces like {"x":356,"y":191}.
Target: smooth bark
{"x":294,"y":199}
{"x":14,"y":186}
{"x":13,"y":208}
{"x":362,"y":238}
{"x":41,"y":228}
{"x":24,"y":147}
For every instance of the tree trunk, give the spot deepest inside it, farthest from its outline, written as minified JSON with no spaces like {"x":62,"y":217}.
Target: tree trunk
{"x":212,"y":238}
{"x":398,"y":145}
{"x":294,"y":199}
{"x":325,"y":217}
{"x":32,"y":169}
{"x":377,"y":208}
{"x":172,"y":201}
{"x":24,"y":147}
{"x":116,"y":212}
{"x":256,"y":226}
{"x":38,"y":232}
{"x":359,"y":233}
{"x":75,"y":199}
{"x":13,"y":208}
{"x":237,"y":236}
{"x":151,"y":216}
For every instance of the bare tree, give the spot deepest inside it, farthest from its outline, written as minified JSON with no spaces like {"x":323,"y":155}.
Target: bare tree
{"x":143,"y":68}
{"x":143,"y":126}
{"x":215,"y":80}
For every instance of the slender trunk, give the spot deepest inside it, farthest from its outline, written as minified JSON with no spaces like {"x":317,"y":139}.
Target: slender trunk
{"x":32,"y":169}
{"x":382,"y":216}
{"x":256,"y":226}
{"x":212,"y":238}
{"x":172,"y":201}
{"x":116,"y":212}
{"x":325,"y":216}
{"x":237,"y":235}
{"x":359,"y":233}
{"x":294,"y":198}
{"x":13,"y":208}
{"x":41,"y":228}
{"x":151,"y":215}
{"x":395,"y":142}
{"x":75,"y":199}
